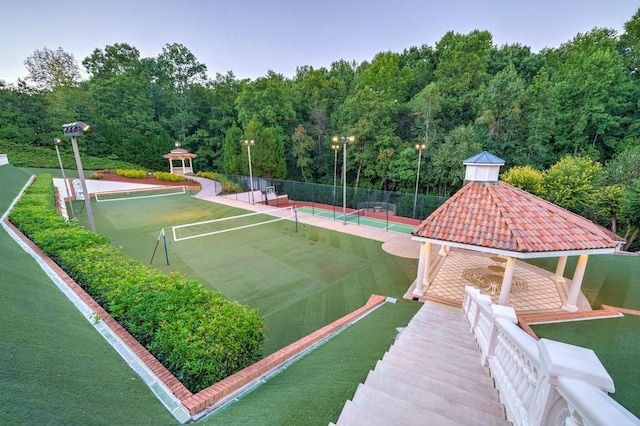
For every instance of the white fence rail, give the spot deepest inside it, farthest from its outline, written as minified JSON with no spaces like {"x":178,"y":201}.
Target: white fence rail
{"x":541,"y":382}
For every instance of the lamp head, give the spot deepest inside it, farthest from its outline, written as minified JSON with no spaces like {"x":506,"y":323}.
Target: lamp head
{"x":74,"y":129}
{"x":56,"y":141}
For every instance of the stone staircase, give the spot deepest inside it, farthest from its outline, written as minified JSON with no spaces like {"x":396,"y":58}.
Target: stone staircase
{"x":431,"y":375}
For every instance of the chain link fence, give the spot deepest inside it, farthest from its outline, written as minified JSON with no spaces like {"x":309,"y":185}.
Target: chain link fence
{"x":332,"y":197}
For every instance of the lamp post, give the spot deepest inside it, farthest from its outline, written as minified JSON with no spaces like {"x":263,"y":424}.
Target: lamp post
{"x":73,"y":130}
{"x":248,"y":144}
{"x":344,"y":140}
{"x":419,"y":147}
{"x":335,"y":147}
{"x":56,"y":142}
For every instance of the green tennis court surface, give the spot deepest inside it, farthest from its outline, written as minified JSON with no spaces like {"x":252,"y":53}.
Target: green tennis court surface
{"x":360,"y":218}
{"x":299,"y":281}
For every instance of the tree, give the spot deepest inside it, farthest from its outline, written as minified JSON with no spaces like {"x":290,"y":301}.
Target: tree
{"x":609,"y":201}
{"x":301,"y":151}
{"x":461,"y":70}
{"x":624,"y":168}
{"x":593,"y":90}
{"x":572,"y":183}
{"x":446,"y":161}
{"x":501,"y":107}
{"x":267,"y":156}
{"x":630,"y":211}
{"x":524,"y":177}
{"x":49,"y":69}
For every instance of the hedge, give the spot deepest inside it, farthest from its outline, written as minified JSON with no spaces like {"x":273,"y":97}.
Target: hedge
{"x":200,"y":336}
{"x":131,"y":173}
{"x":168,"y":177}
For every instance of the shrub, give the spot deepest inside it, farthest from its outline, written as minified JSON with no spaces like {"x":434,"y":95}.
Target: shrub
{"x":97,"y":175}
{"x":168,"y":177}
{"x":200,"y":336}
{"x":131,"y":173}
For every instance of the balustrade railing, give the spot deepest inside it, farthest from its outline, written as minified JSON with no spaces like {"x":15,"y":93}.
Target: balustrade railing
{"x":541,"y":382}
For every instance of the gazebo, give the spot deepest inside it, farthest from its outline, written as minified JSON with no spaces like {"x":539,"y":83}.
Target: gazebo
{"x":490,"y":216}
{"x":182,"y":155}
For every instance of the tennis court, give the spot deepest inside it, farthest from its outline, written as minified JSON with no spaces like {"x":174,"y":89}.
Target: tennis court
{"x":299,"y":278}
{"x":360,"y":218}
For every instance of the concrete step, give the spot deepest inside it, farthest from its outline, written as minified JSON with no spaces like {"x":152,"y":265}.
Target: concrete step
{"x":437,"y":351}
{"x":354,"y":414}
{"x":430,"y":309}
{"x":473,"y":383}
{"x":436,"y":359}
{"x":438,"y":324}
{"x":400,"y":410}
{"x":457,"y":410}
{"x":438,"y":339}
{"x":475,"y":391}
{"x":451,"y":369}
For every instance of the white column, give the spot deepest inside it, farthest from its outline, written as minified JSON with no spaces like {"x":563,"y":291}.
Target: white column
{"x":558,"y":278}
{"x":424,"y":264}
{"x":507,"y":279}
{"x":170,"y":165}
{"x":572,"y":299}
{"x":444,"y":250}
{"x":184,"y":172}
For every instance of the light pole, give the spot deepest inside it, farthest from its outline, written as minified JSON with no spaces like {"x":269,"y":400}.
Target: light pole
{"x":335,"y":147}
{"x":344,"y":140}
{"x":56,"y":142}
{"x":249,"y":143}
{"x":419,"y":147}
{"x":73,"y":130}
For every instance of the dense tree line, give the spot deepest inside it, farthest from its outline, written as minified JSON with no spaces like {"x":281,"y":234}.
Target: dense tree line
{"x":461,"y":96}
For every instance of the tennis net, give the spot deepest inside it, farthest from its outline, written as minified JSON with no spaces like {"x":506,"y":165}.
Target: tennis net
{"x":130,"y":194}
{"x":353,"y":217}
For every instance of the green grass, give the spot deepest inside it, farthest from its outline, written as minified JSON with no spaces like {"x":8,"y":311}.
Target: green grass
{"x":314,"y":389}
{"x":616,"y":343}
{"x":299,"y":281}
{"x":609,"y":280}
{"x":55,"y":368}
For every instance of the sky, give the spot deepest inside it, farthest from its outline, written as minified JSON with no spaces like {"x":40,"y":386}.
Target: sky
{"x":251,"y":37}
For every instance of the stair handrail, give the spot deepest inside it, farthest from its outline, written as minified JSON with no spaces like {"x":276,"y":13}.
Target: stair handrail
{"x":544,"y":381}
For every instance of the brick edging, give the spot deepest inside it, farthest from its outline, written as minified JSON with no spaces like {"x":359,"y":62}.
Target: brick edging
{"x":217,"y":392}
{"x":176,"y":387}
{"x":525,"y":320}
{"x":201,"y":401}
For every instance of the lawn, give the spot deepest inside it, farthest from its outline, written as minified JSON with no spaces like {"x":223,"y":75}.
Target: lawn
{"x":609,"y":280}
{"x":299,"y":281}
{"x":314,"y":389}
{"x":55,"y":368}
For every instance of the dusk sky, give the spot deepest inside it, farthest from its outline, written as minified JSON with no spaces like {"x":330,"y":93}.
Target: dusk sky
{"x":251,"y":37}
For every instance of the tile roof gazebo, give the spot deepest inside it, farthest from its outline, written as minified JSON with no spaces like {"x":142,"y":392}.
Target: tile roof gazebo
{"x":182,"y":155}
{"x":494,"y":217}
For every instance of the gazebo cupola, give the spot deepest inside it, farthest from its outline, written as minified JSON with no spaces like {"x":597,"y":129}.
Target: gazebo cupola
{"x":483,"y":167}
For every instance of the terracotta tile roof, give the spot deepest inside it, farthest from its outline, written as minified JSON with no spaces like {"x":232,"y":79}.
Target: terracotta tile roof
{"x":500,"y":216}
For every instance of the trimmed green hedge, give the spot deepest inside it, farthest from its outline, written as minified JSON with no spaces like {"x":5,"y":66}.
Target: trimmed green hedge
{"x":132,"y":173}
{"x":168,"y":177}
{"x":200,"y":336}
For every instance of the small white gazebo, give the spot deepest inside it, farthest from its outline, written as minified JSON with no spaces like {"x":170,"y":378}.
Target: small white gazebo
{"x":494,"y":217}
{"x":184,"y":157}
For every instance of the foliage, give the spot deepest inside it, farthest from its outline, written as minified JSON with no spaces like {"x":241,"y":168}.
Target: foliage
{"x":573,"y":183}
{"x":608,"y":201}
{"x":630,"y":210}
{"x":170,"y":177}
{"x":524,"y":177}
{"x":131,"y":173}
{"x":200,"y":336}
{"x":49,"y":69}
